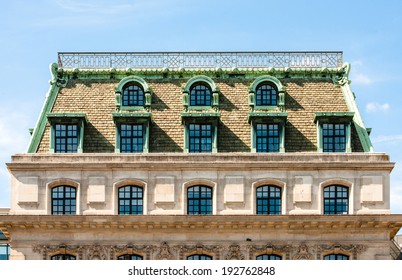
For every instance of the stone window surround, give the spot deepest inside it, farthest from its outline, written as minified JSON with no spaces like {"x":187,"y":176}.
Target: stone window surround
{"x":336,"y":181}
{"x":64,"y":182}
{"x":263,"y":182}
{"x":131,"y":182}
{"x":206,"y":182}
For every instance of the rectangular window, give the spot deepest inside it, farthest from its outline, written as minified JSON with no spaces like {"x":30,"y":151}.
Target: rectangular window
{"x":4,"y":251}
{"x":267,"y":138}
{"x":200,"y":138}
{"x":66,"y":138}
{"x":131,"y":138}
{"x":334,"y":137}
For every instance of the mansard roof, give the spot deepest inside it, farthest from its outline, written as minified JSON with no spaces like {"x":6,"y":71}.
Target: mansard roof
{"x":312,"y":82}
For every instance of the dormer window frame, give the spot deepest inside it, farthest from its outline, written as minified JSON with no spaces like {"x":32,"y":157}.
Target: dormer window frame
{"x":278,"y":118}
{"x":276,"y":85}
{"x":207,"y":82}
{"x":144,"y":119}
{"x":129,"y":81}
{"x":68,"y":119}
{"x":345,"y":118}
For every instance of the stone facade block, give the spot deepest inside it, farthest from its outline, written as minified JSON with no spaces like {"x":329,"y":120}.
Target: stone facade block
{"x":234,"y":189}
{"x":164,"y":189}
{"x":28,"y":189}
{"x":302,"y":189}
{"x":96,"y":190}
{"x":372,"y":189}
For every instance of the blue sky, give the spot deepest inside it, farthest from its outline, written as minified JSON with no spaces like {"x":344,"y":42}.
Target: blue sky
{"x":369,"y":34}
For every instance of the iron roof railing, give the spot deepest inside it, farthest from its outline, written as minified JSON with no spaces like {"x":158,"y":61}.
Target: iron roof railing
{"x":199,"y":60}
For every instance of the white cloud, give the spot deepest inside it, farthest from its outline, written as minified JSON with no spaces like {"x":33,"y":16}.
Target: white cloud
{"x":387,"y":138}
{"x":374,"y":107}
{"x":358,"y":75}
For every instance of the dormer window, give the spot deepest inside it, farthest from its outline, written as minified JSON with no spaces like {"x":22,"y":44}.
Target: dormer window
{"x":133,"y":95}
{"x":334,"y":131}
{"x":266,"y":95}
{"x":200,"y":95}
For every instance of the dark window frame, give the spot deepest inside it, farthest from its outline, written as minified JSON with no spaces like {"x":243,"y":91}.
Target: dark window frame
{"x":66,"y":138}
{"x":200,"y":95}
{"x":267,"y":200}
{"x":130,"y":194}
{"x":336,"y":200}
{"x":64,"y":199}
{"x":336,"y":257}
{"x":199,"y":200}
{"x":130,"y":257}
{"x":266,"y":94}
{"x":267,"y":137}
{"x":131,"y":139}
{"x":200,"y":139}
{"x":64,"y":257}
{"x":334,"y":137}
{"x":268,"y":257}
{"x":199,"y":257}
{"x":133,"y":95}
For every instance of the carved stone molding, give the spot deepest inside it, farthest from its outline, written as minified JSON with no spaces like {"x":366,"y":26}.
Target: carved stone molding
{"x":199,"y":249}
{"x":234,"y":253}
{"x":164,"y":252}
{"x":303,"y":253}
{"x":130,"y":249}
{"x":277,"y":249}
{"x":347,"y":249}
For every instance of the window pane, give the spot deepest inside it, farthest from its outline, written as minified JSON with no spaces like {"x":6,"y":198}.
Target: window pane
{"x":199,"y":200}
{"x":268,"y":200}
{"x":336,"y":200}
{"x":200,"y":95}
{"x":200,"y":138}
{"x":130,"y":200}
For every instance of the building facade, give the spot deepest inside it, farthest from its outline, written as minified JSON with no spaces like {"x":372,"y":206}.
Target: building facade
{"x":200,"y":156}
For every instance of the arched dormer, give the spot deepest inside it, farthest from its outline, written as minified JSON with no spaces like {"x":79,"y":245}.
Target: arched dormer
{"x":133,"y":93}
{"x":200,"y":92}
{"x":266,"y":92}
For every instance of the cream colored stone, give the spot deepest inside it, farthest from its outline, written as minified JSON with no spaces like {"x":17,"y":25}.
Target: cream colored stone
{"x":28,"y":189}
{"x":234,"y":189}
{"x":96,"y":190}
{"x":302,"y":189}
{"x":372,"y":189}
{"x":164,"y":189}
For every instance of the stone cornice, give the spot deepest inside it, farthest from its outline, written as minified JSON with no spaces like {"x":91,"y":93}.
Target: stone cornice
{"x":219,"y":161}
{"x":391,"y":223}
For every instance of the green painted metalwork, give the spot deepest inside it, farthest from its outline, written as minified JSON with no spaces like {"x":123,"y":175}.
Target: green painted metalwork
{"x":55,"y":84}
{"x":144,"y":85}
{"x":253,"y":89}
{"x":349,"y":96}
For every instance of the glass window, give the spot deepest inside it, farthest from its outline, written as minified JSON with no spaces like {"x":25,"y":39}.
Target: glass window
{"x":199,"y":200}
{"x":336,"y":200}
{"x":200,"y":138}
{"x":130,"y":200}
{"x":268,"y":200}
{"x":267,"y":137}
{"x":64,"y":200}
{"x":66,"y":138}
{"x":4,"y":252}
{"x":266,"y":95}
{"x":336,"y":257}
{"x":63,"y":257}
{"x":200,"y":95}
{"x":334,"y":137}
{"x":131,"y":138}
{"x":129,"y":257}
{"x":269,"y":257}
{"x":133,"y":95}
{"x":199,"y":257}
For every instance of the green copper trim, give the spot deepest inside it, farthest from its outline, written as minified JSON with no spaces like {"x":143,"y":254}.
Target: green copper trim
{"x":271,"y":80}
{"x":69,"y":116}
{"x":55,"y":85}
{"x":214,"y":90}
{"x":200,"y":115}
{"x":352,"y":106}
{"x":338,"y":116}
{"x":271,"y":116}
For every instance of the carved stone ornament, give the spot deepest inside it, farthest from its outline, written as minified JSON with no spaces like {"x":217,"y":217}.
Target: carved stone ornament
{"x":352,"y":250}
{"x":277,"y":249}
{"x":199,"y":249}
{"x":234,"y":253}
{"x":303,"y":253}
{"x":164,"y":252}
